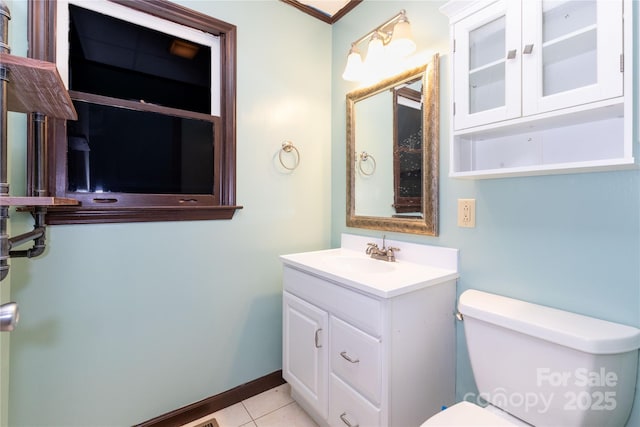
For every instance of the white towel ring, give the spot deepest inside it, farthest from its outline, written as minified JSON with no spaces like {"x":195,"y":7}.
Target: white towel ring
{"x":364,"y":157}
{"x":288,"y":147}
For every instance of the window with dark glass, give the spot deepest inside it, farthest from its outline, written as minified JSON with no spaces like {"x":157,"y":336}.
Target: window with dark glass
{"x":155,"y":137}
{"x":128,"y":149}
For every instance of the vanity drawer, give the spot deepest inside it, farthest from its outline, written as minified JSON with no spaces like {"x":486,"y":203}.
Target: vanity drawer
{"x":358,"y":309}
{"x":348,"y":408}
{"x":356,"y":358}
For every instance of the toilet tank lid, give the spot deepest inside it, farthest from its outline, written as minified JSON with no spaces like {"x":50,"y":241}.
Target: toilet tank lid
{"x":573,"y":330}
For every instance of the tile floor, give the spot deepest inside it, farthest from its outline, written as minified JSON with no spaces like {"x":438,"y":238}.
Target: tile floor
{"x":273,"y":408}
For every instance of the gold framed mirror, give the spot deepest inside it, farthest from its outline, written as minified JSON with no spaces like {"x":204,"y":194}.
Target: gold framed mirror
{"x":393,"y":136}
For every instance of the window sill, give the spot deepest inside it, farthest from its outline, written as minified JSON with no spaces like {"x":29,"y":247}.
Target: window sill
{"x":79,"y":215}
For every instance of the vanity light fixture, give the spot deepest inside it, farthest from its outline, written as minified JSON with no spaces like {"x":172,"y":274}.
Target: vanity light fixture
{"x":387,"y":42}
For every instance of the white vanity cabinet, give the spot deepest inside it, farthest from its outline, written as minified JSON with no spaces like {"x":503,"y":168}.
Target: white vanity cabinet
{"x":380,"y":358}
{"x":539,"y":86}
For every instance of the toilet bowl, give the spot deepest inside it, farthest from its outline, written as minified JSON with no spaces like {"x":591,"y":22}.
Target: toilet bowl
{"x":469,"y":414}
{"x":540,"y":366}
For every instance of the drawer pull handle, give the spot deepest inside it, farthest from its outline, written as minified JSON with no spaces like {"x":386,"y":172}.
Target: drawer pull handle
{"x":528,"y":49}
{"x":347,"y":358}
{"x":512,"y":54}
{"x":344,"y":419}
{"x":317,"y":338}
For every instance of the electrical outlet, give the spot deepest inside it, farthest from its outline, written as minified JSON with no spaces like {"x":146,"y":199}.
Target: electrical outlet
{"x":467,"y":213}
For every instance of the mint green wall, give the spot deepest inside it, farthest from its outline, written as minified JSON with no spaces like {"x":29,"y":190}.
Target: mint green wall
{"x":567,"y":241}
{"x":121,"y":323}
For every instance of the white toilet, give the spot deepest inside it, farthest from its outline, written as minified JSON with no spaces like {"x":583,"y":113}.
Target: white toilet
{"x":540,"y":366}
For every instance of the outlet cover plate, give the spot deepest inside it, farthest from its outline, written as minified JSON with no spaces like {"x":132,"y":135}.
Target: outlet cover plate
{"x":467,"y":213}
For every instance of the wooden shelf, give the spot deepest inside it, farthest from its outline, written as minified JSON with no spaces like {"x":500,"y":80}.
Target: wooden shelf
{"x":36,"y":86}
{"x":37,"y":201}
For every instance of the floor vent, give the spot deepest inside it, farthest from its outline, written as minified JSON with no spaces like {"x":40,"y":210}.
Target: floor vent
{"x":209,"y":423}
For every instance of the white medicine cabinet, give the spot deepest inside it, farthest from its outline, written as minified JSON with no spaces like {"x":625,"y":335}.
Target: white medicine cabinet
{"x":539,"y":86}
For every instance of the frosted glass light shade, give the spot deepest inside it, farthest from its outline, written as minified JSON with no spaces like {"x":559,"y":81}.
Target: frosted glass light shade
{"x":375,"y":53}
{"x":401,"y":43}
{"x":354,"y":69}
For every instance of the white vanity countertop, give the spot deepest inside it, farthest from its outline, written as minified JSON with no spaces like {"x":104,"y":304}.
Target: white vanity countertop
{"x":356,"y":270}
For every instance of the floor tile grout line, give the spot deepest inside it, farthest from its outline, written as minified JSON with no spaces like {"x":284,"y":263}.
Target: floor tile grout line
{"x":245,"y":408}
{"x":270,"y":412}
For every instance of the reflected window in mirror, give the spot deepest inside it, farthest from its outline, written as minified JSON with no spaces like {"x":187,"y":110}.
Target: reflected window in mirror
{"x":407,"y":149}
{"x":395,"y":122}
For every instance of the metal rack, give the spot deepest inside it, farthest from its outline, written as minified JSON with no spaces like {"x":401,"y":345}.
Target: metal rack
{"x":33,"y":87}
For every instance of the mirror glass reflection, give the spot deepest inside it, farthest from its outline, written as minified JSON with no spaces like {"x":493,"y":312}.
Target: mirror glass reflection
{"x":392,"y":150}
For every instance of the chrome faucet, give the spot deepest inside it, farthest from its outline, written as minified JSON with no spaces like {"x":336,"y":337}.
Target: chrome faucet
{"x":384,"y":254}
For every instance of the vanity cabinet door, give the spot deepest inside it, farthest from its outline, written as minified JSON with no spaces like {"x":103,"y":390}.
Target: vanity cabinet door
{"x":487,"y":65}
{"x":572,"y":52}
{"x":305,"y":362}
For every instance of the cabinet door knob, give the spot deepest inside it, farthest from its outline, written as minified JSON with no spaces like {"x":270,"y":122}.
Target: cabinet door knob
{"x":317,"y":338}
{"x":512,"y":54}
{"x":527,"y":49}
{"x":347,"y":358}
{"x":344,"y":419}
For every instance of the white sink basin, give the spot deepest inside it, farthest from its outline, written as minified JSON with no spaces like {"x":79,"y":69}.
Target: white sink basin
{"x":354,"y":264}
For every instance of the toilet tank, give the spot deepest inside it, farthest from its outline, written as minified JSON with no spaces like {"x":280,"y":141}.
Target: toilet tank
{"x":549,"y":367}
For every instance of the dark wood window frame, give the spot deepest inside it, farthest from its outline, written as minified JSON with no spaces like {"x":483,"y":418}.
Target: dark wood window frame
{"x":133,"y":207}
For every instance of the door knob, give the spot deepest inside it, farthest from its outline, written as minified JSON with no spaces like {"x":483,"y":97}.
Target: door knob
{"x":8,"y":316}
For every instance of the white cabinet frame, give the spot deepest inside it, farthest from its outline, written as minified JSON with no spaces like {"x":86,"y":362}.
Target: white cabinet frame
{"x":585,"y":129}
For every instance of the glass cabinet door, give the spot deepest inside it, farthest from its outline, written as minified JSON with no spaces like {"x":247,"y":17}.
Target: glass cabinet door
{"x":570,"y":54}
{"x":487,"y":65}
